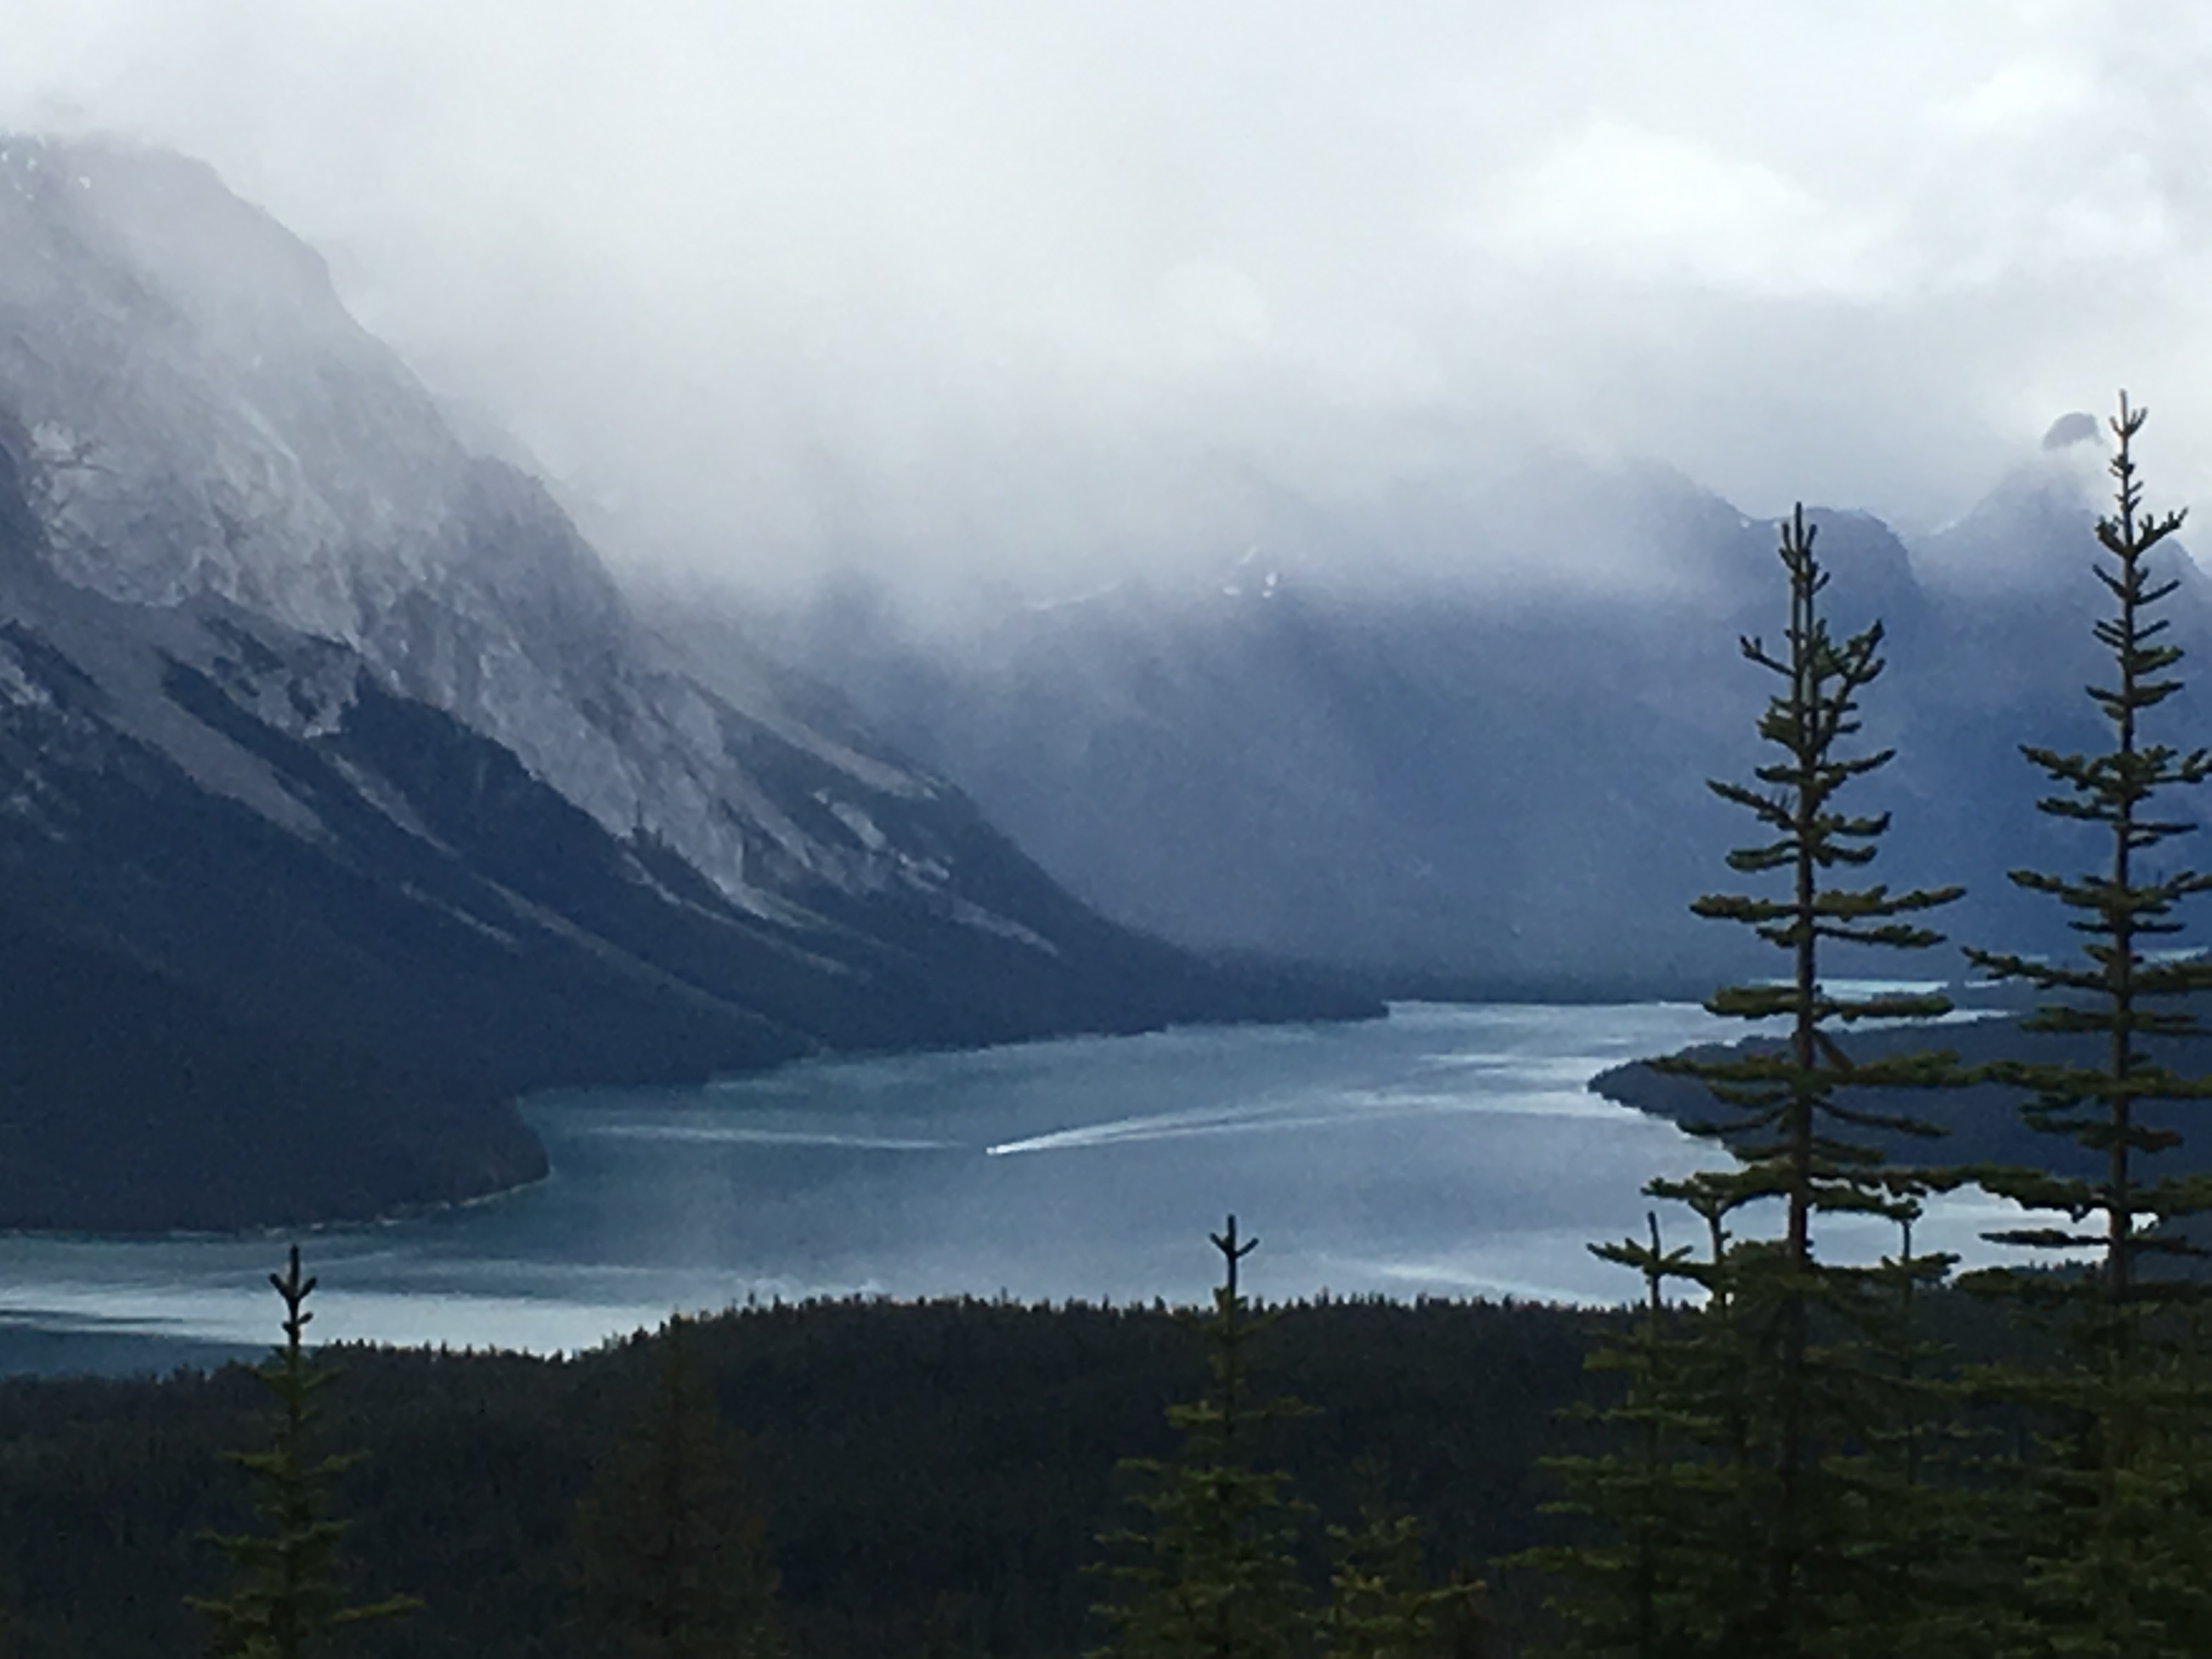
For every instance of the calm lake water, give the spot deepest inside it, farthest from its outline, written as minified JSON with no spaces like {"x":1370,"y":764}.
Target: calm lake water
{"x":1446,"y":1150}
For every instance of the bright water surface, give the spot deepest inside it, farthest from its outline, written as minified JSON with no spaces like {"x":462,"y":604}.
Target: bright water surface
{"x":1446,"y":1150}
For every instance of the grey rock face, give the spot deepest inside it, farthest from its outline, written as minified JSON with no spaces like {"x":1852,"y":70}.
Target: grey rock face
{"x":322,"y":721}
{"x":194,"y":414}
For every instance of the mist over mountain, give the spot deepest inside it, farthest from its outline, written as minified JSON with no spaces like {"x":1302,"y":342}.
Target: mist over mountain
{"x":320,"y":721}
{"x":1330,"y":746}
{"x":326,"y":724}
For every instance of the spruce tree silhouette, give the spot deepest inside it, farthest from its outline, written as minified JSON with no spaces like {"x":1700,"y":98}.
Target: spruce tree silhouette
{"x":287,"y":1600}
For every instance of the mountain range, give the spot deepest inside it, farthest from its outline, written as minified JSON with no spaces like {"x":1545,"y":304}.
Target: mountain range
{"x":1461,"y":783}
{"x":344,"y":797}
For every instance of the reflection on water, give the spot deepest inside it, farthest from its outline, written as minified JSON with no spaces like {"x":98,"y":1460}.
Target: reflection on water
{"x":1447,"y":1149}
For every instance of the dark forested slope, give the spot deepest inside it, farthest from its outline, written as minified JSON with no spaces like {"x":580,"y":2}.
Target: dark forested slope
{"x":253,"y":1123}
{"x":931,"y":1473}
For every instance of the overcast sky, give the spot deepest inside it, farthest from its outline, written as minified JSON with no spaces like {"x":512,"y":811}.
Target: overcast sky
{"x":1033,"y":280}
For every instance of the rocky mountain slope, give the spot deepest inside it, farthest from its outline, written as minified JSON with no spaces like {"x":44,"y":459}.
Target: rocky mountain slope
{"x":1448,"y":780}
{"x":322,"y":723}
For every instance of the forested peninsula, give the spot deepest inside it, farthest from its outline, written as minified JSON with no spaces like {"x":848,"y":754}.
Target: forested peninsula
{"x":1978,"y":1122}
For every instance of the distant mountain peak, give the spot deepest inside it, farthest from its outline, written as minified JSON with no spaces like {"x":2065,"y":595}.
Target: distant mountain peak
{"x":2030,"y":533}
{"x":2077,"y":428}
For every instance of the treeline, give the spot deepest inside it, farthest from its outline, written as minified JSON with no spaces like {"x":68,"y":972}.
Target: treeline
{"x":932,"y":1477}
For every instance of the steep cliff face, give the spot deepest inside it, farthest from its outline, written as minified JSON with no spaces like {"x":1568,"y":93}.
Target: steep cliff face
{"x":198,"y":415}
{"x":330,"y":726}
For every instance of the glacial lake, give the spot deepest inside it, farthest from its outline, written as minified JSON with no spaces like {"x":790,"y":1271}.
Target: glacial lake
{"x":1446,"y":1150}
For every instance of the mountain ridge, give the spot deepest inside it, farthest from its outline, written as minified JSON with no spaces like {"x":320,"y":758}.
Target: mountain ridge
{"x":1492,"y":783}
{"x":328,"y":725}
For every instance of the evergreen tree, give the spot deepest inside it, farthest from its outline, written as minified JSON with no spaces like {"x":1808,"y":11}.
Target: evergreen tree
{"x":2115,"y":1532}
{"x":1748,"y":1518}
{"x":287,"y":1598}
{"x":1676,"y":1561}
{"x":1382,"y":1604}
{"x":1212,"y":1576}
{"x":669,"y":1548}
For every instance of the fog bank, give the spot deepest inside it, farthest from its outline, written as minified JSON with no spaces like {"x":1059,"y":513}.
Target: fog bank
{"x":1041,"y":293}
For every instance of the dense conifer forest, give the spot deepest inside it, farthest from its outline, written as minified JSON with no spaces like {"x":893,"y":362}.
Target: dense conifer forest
{"x":931,"y":1478}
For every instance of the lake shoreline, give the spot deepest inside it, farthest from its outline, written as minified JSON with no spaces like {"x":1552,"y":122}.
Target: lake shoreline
{"x":1445,"y":1151}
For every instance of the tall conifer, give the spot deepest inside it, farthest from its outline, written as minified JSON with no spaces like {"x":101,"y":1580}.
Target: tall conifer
{"x":1212,"y":1575}
{"x":287,"y":1600}
{"x":1749,"y":1517}
{"x":2114,"y":1536}
{"x":1644,"y":1587}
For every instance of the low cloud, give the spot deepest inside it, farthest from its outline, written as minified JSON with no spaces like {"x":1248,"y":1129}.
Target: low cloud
{"x":991,"y":288}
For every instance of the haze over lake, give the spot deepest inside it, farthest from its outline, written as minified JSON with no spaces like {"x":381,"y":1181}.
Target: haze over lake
{"x":1445,"y":1151}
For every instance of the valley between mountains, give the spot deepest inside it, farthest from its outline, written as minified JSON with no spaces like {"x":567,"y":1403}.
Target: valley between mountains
{"x":342,"y":797}
{"x":346,"y":794}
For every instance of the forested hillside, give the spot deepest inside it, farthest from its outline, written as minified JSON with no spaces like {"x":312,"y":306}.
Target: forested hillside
{"x":932,"y":1476}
